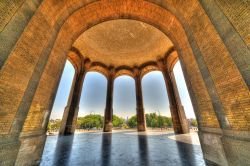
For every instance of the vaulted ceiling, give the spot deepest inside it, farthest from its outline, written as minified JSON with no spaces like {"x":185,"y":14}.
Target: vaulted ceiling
{"x":123,"y":42}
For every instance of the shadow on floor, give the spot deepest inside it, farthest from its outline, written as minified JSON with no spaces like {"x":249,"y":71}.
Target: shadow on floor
{"x":121,"y":148}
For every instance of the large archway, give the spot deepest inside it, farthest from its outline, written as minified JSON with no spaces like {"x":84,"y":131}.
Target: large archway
{"x":44,"y":60}
{"x":93,"y":80}
{"x":125,"y":100}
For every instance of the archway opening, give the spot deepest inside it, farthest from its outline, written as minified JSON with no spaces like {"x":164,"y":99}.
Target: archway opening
{"x":124,"y":107}
{"x":184,"y":96}
{"x":61,"y":98}
{"x":216,"y":97}
{"x":128,"y":120}
{"x":156,"y":103}
{"x":92,"y":102}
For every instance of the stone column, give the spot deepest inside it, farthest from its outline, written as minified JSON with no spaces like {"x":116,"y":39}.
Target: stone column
{"x":177,"y":111}
{"x":141,"y":122}
{"x":182,"y":115}
{"x":109,"y":103}
{"x":70,"y":114}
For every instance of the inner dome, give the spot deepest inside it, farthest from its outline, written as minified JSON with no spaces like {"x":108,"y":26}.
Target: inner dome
{"x":123,"y":42}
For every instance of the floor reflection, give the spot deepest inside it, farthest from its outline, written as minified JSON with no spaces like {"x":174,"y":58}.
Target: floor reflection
{"x":186,"y":153}
{"x":126,"y":148}
{"x":106,"y":149}
{"x":143,"y":150}
{"x":63,"y":150}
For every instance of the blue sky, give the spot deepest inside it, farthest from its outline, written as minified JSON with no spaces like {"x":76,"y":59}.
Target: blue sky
{"x":93,"y":96}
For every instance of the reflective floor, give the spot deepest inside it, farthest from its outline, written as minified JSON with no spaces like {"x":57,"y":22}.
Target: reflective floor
{"x":123,"y":148}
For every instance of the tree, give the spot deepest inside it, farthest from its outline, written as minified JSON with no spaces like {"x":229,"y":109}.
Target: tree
{"x":54,"y":124}
{"x":160,"y":121}
{"x":117,"y":121}
{"x":168,"y":122}
{"x":154,"y":120}
{"x":154,"y":123}
{"x":132,"y":122}
{"x":90,"y":121}
{"x":194,"y":122}
{"x":148,"y":120}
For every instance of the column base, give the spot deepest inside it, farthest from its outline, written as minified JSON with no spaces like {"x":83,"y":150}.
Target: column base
{"x":141,"y":127}
{"x":183,"y":120}
{"x":175,"y":120}
{"x":69,"y":129}
{"x":141,"y":122}
{"x":108,"y":127}
{"x":212,"y":147}
{"x":180,"y":125}
{"x":31,"y":149}
{"x":225,"y":147}
{"x":185,"y":129}
{"x":64,"y":121}
{"x":8,"y":152}
{"x":236,"y":145}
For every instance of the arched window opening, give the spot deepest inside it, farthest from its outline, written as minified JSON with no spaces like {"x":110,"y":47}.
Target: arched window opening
{"x":184,"y":96}
{"x":124,"y":106}
{"x":92,"y":102}
{"x":61,"y":97}
{"x":156,"y":103}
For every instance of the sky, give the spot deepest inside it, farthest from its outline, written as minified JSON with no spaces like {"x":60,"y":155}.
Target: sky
{"x":93,"y":97}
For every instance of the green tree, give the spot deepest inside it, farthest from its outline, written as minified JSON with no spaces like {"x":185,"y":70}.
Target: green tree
{"x":194,"y":122}
{"x":49,"y":126}
{"x":117,"y":121}
{"x":132,"y":122}
{"x":54,"y":125}
{"x":90,"y":121}
{"x":148,"y":120}
{"x":154,"y":123}
{"x":154,"y":120}
{"x":167,"y":122}
{"x":160,"y":121}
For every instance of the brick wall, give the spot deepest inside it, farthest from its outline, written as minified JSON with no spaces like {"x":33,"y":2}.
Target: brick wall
{"x":31,"y":73}
{"x":7,"y":10}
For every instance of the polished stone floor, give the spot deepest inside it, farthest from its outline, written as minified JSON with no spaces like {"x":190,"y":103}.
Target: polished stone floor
{"x":123,"y":148}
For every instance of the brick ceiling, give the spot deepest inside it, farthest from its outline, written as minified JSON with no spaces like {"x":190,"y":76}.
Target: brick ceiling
{"x":123,"y":42}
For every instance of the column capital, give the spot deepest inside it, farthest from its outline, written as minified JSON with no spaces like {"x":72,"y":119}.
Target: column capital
{"x":111,"y":72}
{"x":86,"y":63}
{"x":136,"y":72}
{"x":162,"y":64}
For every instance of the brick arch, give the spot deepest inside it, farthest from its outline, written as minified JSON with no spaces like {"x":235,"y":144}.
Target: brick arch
{"x":100,"y":68}
{"x":122,"y":75}
{"x":124,"y":70}
{"x":75,"y":58}
{"x":171,"y":59}
{"x":154,"y":20}
{"x":212,"y":92}
{"x":147,"y":68}
{"x":162,"y":19}
{"x":240,"y":81}
{"x":72,"y":62}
